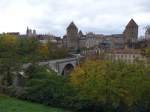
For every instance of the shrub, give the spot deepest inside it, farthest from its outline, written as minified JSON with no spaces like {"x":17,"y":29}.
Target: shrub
{"x":45,"y":86}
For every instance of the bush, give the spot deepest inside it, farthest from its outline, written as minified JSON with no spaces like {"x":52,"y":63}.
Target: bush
{"x":45,"y":86}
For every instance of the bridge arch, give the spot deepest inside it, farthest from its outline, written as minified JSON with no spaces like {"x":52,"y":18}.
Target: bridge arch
{"x":68,"y":68}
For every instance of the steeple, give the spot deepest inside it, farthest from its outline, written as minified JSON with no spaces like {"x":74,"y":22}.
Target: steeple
{"x":27,"y":31}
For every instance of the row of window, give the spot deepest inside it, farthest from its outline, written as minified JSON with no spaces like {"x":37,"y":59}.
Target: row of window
{"x":126,"y":55}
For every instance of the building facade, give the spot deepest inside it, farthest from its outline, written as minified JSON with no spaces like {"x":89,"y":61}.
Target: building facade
{"x":75,"y":40}
{"x":126,"y":55}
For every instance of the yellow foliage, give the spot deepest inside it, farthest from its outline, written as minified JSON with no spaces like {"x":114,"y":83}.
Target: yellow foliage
{"x":77,"y":76}
{"x":88,"y":76}
{"x":43,"y":49}
{"x":87,"y":71}
{"x":9,"y":39}
{"x":105,"y":81}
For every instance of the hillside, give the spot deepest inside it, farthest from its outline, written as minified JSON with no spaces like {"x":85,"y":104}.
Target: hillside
{"x":8,"y":104}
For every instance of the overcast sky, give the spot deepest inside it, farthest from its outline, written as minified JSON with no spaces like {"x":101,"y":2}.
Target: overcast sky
{"x":53,"y":16}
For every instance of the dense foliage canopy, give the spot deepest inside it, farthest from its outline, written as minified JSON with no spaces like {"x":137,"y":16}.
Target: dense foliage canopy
{"x":118,"y":85}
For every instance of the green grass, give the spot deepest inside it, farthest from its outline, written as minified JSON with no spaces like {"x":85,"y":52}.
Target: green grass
{"x":8,"y":104}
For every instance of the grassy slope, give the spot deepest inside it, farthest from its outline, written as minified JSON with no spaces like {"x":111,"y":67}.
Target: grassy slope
{"x":8,"y":104}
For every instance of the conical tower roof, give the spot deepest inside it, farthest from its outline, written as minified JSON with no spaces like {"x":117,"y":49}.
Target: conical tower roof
{"x":131,"y":23}
{"x":72,"y":25}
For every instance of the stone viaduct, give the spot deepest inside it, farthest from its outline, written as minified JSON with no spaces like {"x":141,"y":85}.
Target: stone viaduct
{"x":61,"y":66}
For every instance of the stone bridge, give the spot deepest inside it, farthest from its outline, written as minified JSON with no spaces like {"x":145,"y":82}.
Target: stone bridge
{"x":61,"y":66}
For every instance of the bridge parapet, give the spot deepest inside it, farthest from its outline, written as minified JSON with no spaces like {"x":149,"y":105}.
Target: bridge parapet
{"x":59,"y":65}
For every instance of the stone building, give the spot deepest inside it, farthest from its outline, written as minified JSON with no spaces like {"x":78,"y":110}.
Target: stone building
{"x":127,"y":39}
{"x":45,"y":38}
{"x":75,"y":40}
{"x":131,"y":34}
{"x":72,"y":37}
{"x":90,"y":40}
{"x":126,"y":55}
{"x":30,"y":32}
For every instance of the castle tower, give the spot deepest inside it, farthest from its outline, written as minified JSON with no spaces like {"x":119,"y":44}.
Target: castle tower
{"x":72,"y":37}
{"x":131,"y":33}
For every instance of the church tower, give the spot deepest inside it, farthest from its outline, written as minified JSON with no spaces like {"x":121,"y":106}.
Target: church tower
{"x":29,"y":32}
{"x":72,"y":37}
{"x":131,"y":34}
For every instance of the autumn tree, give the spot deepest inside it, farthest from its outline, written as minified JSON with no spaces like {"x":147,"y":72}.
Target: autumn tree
{"x":9,"y":62}
{"x":114,"y":84}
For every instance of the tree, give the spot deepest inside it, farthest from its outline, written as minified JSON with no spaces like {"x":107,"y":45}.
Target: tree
{"x":87,"y":77}
{"x":115,"y":84}
{"x":8,"y":59}
{"x":27,"y":48}
{"x":53,"y":88}
{"x":56,"y":52}
{"x":43,"y":51}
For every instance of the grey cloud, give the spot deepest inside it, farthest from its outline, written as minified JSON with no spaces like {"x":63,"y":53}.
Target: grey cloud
{"x":100,"y":16}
